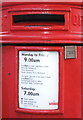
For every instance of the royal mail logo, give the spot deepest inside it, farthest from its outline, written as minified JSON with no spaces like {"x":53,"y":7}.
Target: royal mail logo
{"x":53,"y":103}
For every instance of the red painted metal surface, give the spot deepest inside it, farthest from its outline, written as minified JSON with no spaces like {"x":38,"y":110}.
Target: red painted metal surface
{"x":18,"y":33}
{"x":70,"y":86}
{"x":18,"y":36}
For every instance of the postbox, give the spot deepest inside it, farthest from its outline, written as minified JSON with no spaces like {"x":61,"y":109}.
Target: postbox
{"x":42,"y":59}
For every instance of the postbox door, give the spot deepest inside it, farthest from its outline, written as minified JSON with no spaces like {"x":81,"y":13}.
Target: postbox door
{"x":38,"y":79}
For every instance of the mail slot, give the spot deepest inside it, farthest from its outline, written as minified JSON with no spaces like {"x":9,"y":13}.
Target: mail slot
{"x":36,"y":21}
{"x":43,"y":21}
{"x":41,"y":60}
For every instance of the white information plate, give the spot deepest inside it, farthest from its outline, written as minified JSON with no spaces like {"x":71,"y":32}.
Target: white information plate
{"x":38,"y":80}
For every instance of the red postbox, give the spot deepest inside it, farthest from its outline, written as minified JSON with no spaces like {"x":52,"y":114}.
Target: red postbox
{"x":41,"y":59}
